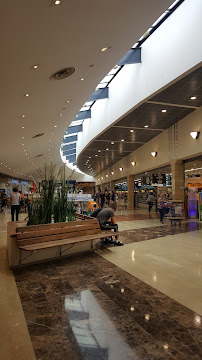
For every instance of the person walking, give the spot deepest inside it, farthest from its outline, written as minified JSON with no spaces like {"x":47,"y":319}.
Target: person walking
{"x":102,"y":198}
{"x":161,"y":207}
{"x":15,"y":203}
{"x":112,"y":197}
{"x":150,"y":201}
{"x":4,"y":200}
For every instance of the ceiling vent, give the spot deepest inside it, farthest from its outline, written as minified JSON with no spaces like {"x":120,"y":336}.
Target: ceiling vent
{"x":38,"y":155}
{"x":38,"y":135}
{"x":63,"y":73}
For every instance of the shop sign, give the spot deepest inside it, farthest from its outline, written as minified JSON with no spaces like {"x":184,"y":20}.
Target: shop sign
{"x":14,"y":181}
{"x":24,"y":183}
{"x":159,"y":179}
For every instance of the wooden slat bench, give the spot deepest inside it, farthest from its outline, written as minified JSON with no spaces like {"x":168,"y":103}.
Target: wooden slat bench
{"x":62,"y":236}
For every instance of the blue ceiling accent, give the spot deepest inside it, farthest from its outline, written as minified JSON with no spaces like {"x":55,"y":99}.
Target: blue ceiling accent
{"x":71,"y":158}
{"x":74,"y":129}
{"x":133,"y":56}
{"x":82,"y":115}
{"x":69,"y":147}
{"x":99,"y":94}
{"x":69,"y":152}
{"x":70,"y":139}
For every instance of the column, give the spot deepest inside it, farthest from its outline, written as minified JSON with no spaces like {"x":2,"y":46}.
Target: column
{"x":102,"y":187}
{"x":178,"y":181}
{"x":130,"y":187}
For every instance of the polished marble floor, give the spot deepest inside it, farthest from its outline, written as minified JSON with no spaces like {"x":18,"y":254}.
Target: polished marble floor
{"x":114,"y":305}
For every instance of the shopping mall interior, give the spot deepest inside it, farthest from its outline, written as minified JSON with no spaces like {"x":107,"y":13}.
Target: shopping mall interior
{"x":108,"y":94}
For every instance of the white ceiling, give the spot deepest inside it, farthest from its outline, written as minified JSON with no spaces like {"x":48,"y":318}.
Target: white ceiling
{"x":71,"y":34}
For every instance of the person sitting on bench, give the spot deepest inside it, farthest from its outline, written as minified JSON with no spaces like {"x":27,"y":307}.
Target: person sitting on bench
{"x":107,"y":221}
{"x":95,"y":213}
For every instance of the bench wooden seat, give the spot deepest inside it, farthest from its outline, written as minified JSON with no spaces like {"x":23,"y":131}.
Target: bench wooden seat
{"x":44,"y":237}
{"x":48,"y":244}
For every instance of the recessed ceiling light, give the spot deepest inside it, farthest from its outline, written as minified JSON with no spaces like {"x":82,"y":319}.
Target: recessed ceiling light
{"x":82,"y":79}
{"x":26,"y":95}
{"x":164,"y":111}
{"x":60,"y":114}
{"x":23,"y":127}
{"x":89,"y":157}
{"x":104,"y":49}
{"x":23,"y":144}
{"x":112,"y":142}
{"x":133,"y":163}
{"x":122,"y":139}
{"x":154,"y":153}
{"x":68,"y":101}
{"x":112,"y":173}
{"x":22,"y":137}
{"x":55,"y":126}
{"x":51,"y":133}
{"x":146,"y":126}
{"x":6,"y":166}
{"x":35,"y":66}
{"x":121,"y":169}
{"x":107,"y":149}
{"x":131,"y":130}
{"x":193,"y":98}
{"x":96,"y":155}
{"x":9,"y":168}
{"x":99,"y":150}
{"x":57,"y":2}
{"x":23,"y":116}
{"x":106,"y":175}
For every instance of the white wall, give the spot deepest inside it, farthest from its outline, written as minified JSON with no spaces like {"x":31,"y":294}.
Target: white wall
{"x":172,"y":50}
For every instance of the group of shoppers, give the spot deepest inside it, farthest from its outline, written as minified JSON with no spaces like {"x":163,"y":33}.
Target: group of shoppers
{"x":102,"y":198}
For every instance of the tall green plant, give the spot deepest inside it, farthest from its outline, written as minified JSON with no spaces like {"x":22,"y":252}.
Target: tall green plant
{"x":42,"y":208}
{"x":60,"y":202}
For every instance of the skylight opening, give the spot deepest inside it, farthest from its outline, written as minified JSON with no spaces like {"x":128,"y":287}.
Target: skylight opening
{"x":106,"y":79}
{"x":135,"y":45}
{"x":173,"y":5}
{"x":101,"y":86}
{"x":84,"y":108}
{"x":114,"y":70}
{"x":159,"y":19}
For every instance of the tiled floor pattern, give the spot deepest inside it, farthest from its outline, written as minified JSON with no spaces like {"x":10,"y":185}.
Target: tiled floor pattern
{"x":87,"y":308}
{"x":15,"y":343}
{"x":153,"y":231}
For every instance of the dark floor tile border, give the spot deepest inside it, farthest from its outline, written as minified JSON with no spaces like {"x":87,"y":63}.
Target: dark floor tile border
{"x":42,"y":289}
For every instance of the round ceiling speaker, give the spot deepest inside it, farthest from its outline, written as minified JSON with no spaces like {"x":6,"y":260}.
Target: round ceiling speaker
{"x":63,"y":73}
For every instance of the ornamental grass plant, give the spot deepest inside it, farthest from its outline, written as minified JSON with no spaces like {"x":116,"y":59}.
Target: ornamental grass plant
{"x":51,"y":202}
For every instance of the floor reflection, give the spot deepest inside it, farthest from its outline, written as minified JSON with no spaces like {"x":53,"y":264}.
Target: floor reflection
{"x":95,"y":333}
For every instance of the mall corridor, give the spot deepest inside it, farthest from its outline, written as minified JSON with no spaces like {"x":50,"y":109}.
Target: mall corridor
{"x":140,"y":301}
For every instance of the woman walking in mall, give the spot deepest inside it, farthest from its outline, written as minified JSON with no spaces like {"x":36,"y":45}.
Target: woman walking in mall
{"x":15,"y":203}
